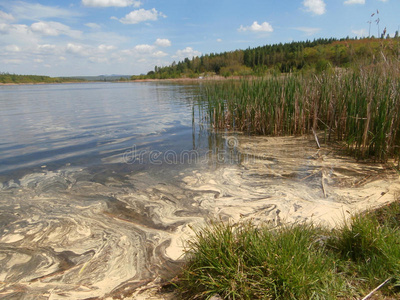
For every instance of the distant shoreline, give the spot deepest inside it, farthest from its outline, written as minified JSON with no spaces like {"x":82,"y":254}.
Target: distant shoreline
{"x":183,"y":79}
{"x":40,"y":83}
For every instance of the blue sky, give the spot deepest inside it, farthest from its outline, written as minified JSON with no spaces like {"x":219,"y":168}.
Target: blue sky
{"x":93,"y":37}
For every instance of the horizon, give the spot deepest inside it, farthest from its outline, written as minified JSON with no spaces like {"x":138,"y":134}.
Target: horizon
{"x":130,"y":37}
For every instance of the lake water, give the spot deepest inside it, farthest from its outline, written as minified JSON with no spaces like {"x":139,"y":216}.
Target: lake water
{"x":101,"y":185}
{"x":91,"y":124}
{"x":90,"y":184}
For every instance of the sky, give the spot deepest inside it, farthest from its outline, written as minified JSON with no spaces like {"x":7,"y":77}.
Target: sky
{"x":130,"y":37}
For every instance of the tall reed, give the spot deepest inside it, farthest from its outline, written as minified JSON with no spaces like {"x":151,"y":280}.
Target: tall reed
{"x":359,"y":107}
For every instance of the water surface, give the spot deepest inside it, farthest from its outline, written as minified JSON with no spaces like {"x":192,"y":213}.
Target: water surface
{"x":101,"y":185}
{"x":86,"y":124}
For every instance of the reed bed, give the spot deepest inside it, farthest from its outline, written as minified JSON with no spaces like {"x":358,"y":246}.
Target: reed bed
{"x":358,"y":107}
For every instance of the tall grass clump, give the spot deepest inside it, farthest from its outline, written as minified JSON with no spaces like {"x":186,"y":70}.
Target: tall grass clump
{"x":360,"y":107}
{"x":245,"y":262}
{"x":300,"y":261}
{"x":370,"y":248}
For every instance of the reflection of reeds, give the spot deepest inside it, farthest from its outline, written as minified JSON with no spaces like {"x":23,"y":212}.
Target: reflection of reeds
{"x":361,"y":108}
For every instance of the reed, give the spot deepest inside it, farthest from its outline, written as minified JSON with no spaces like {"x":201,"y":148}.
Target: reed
{"x":359,"y":107}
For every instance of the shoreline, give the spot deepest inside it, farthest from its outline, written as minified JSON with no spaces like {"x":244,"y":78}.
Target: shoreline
{"x":41,"y":83}
{"x":183,"y":79}
{"x":186,"y":79}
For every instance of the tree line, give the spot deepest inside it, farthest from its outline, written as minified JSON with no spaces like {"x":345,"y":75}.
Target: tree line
{"x":318,"y":55}
{"x":18,"y":79}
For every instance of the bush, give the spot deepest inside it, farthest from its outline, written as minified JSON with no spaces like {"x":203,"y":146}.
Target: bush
{"x":322,"y":65}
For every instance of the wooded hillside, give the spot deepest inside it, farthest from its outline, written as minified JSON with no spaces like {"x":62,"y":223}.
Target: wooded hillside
{"x":319,"y":55}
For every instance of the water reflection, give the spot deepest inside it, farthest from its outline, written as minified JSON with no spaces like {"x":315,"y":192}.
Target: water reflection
{"x":48,"y":123}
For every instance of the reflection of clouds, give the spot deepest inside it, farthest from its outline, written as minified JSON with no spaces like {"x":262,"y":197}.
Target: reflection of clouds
{"x":44,"y":123}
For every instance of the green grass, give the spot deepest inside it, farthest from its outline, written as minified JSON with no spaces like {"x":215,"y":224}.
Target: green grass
{"x":360,"y":108}
{"x":371,"y":250}
{"x":301,"y":261}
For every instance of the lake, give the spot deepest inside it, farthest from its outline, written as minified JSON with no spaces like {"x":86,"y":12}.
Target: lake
{"x":90,"y":124}
{"x":102,"y":184}
{"x":67,"y":151}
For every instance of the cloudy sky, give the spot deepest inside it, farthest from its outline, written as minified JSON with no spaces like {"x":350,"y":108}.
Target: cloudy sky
{"x":93,"y":37}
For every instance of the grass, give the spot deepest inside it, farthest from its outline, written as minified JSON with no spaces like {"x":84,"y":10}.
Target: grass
{"x":301,"y":261}
{"x":360,"y":107}
{"x":371,"y":250}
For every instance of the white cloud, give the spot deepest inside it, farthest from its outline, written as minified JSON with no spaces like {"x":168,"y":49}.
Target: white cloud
{"x":188,"y":52}
{"x":77,"y":49}
{"x":360,"y":33}
{"x":219,"y":40}
{"x":162,"y":43}
{"x":143,"y":52}
{"x":38,"y":60}
{"x":349,"y":2}
{"x":109,"y":3}
{"x":54,"y":29}
{"x":46,"y":48}
{"x":4,"y":28}
{"x":12,"y":48}
{"x":14,"y":29}
{"x":98,"y":54}
{"x":5,"y":17}
{"x":317,"y":7}
{"x":144,"y":49}
{"x":12,"y":61}
{"x":141,"y":15}
{"x":255,"y":27}
{"x":36,"y":11}
{"x":18,"y":34}
{"x":98,"y":60}
{"x":93,"y":25}
{"x":308,"y":30}
{"x":159,"y":54}
{"x":105,"y":48}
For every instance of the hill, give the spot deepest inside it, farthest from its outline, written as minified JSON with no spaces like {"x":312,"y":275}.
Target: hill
{"x":318,"y":55}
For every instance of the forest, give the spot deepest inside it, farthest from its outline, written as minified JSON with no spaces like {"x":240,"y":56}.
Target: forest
{"x":19,"y":79}
{"x":317,"y":55}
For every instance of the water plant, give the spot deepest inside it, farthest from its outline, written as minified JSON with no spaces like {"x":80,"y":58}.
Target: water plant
{"x":360,"y":107}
